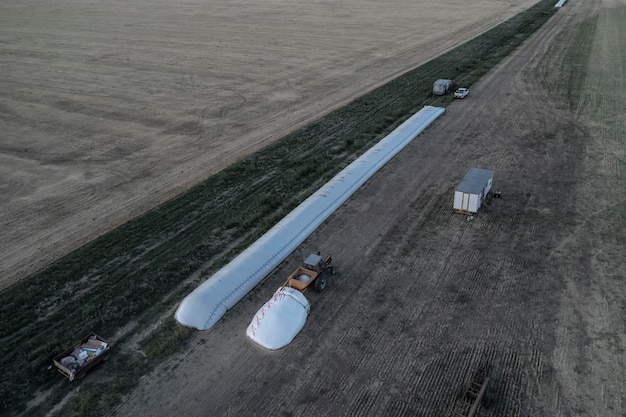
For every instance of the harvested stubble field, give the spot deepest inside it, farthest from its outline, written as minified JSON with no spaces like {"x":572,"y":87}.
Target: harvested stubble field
{"x":109,"y":108}
{"x":532,"y":288}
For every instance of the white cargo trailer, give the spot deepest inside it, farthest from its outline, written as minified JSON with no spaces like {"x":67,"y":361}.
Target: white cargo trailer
{"x":442,"y":87}
{"x":472,"y":190}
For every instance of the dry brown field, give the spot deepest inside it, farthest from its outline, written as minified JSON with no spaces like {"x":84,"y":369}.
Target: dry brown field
{"x":109,"y":108}
{"x":532,"y":289}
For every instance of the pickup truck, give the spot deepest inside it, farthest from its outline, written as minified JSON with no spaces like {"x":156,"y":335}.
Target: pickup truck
{"x":461,"y":93}
{"x":78,"y":359}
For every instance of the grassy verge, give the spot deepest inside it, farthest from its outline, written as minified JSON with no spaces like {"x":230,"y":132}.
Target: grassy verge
{"x":137,"y":272}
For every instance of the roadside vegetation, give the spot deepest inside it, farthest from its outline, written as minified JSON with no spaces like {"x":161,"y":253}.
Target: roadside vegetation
{"x":132,"y":277}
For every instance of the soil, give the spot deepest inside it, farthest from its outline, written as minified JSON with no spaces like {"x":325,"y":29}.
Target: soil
{"x":530,"y":290}
{"x":108,"y":109}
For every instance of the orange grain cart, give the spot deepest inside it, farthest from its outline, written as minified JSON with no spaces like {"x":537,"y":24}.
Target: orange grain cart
{"x":313,"y":271}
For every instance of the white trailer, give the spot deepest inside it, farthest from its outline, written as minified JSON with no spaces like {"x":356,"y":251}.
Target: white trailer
{"x":442,"y":87}
{"x":472,"y":190}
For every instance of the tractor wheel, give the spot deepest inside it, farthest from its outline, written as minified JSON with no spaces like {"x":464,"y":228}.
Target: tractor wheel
{"x":333,"y":270}
{"x":320,"y":283}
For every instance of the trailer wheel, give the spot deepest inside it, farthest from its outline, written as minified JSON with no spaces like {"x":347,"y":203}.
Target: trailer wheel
{"x":320,"y":283}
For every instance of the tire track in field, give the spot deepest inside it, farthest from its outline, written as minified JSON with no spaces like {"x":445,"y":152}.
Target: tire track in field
{"x":586,"y":297}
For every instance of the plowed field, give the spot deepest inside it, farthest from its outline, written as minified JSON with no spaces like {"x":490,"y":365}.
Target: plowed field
{"x":531,"y":289}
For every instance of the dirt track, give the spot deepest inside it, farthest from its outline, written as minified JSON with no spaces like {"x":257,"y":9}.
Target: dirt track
{"x":531,"y":288}
{"x":107,"y":109}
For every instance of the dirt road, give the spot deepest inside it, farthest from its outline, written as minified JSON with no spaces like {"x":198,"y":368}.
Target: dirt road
{"x":531,"y":288}
{"x":107,"y":109}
